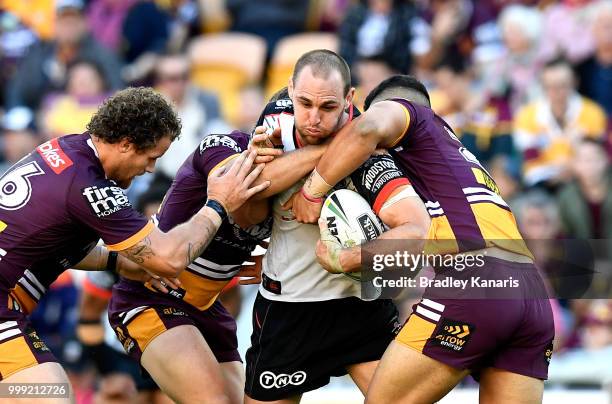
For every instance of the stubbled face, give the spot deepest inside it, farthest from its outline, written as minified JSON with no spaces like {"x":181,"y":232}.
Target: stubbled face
{"x":318,"y":104}
{"x":130,"y":162}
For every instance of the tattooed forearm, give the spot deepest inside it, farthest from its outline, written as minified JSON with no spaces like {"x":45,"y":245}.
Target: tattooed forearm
{"x":208,"y":230}
{"x":139,"y":252}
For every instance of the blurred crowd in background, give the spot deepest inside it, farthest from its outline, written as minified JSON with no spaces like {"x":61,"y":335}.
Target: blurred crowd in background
{"x":525,"y":84}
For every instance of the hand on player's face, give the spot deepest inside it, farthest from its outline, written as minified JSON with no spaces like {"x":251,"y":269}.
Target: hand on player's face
{"x":303,"y":210}
{"x":230,"y":186}
{"x":267,"y":146}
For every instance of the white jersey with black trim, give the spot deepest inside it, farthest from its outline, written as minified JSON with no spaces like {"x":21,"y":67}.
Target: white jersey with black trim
{"x":291,"y":272}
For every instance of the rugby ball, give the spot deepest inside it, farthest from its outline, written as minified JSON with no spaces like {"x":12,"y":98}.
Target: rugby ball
{"x":351,"y":220}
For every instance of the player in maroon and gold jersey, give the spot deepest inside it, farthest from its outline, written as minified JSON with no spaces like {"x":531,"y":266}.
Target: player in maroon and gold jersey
{"x":506,"y":343}
{"x":58,"y":201}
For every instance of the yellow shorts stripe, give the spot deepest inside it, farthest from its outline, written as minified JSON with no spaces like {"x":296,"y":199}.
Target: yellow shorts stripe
{"x":416,"y":332}
{"x":15,"y":355}
{"x":27,"y":304}
{"x":200,"y":292}
{"x":145,"y":327}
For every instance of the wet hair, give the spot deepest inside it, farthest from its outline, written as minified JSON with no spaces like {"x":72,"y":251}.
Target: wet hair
{"x":400,"y":86}
{"x":323,"y":62}
{"x":138,"y":114}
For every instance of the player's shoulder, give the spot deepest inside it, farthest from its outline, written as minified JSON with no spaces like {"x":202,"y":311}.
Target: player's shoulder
{"x":68,"y":159}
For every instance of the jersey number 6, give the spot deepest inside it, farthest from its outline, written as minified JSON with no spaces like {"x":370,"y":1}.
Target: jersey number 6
{"x":15,"y":186}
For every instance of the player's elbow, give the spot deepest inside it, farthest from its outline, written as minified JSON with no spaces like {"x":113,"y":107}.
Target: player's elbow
{"x":368,"y":130}
{"x":416,"y":229}
{"x":422,"y":224}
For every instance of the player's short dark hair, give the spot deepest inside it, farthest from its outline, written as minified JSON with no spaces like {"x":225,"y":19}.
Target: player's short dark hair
{"x":138,"y":114}
{"x":323,"y":62}
{"x":400,"y":85}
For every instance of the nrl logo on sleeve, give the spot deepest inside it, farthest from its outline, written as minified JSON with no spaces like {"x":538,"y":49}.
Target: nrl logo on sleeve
{"x":54,"y":156}
{"x":105,"y":201}
{"x":219,"y":140}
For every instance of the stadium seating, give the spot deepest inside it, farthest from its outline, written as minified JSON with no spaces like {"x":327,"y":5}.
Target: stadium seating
{"x":289,"y":50}
{"x":225,"y":63}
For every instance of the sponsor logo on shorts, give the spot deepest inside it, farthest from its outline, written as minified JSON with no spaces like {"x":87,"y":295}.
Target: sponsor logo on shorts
{"x":37,"y":343}
{"x":127,"y":342}
{"x":219,"y":140}
{"x":367,"y":227}
{"x":54,"y":156}
{"x":171,"y":311}
{"x":548,"y":353}
{"x":106,"y":200}
{"x":270,"y":380}
{"x":397,"y":326}
{"x":454,"y":335}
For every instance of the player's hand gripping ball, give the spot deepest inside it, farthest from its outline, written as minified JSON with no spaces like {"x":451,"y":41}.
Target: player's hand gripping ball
{"x":348,"y":221}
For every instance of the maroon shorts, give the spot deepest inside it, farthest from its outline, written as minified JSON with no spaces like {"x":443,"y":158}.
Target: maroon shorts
{"x":20,"y":346}
{"x":513,"y":333}
{"x":139,"y":315}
